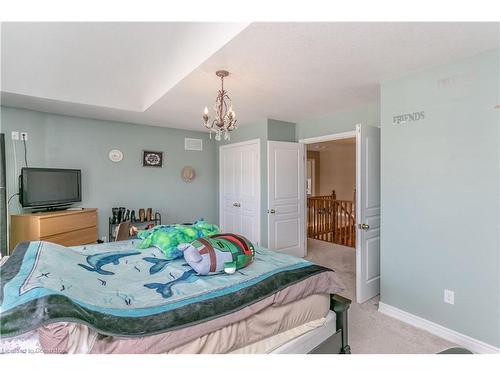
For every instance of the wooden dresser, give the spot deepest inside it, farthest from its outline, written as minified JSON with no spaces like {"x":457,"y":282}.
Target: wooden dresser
{"x":68,"y":227}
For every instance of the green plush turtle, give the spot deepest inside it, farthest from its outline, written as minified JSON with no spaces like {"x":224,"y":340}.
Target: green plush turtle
{"x":168,"y":237}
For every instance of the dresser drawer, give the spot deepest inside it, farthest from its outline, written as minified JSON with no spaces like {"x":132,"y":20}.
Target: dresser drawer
{"x":74,"y":238}
{"x":52,"y":225}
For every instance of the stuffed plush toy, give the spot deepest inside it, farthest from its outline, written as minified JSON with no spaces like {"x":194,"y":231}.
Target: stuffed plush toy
{"x":168,"y":237}
{"x":218,"y":253}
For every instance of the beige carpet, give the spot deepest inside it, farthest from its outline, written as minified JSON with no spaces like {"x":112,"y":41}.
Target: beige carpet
{"x":369,"y":330}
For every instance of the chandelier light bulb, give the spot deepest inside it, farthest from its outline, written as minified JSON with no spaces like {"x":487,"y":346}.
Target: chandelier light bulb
{"x":206,"y":111}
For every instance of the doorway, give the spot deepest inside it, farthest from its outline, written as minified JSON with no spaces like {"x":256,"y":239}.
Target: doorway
{"x":338,"y":214}
{"x":331,"y":196}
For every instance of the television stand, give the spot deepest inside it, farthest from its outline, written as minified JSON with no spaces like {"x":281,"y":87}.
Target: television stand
{"x":63,"y":227}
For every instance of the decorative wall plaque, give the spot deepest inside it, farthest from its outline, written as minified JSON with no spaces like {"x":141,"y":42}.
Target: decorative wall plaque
{"x":188,"y":174}
{"x":152,"y":159}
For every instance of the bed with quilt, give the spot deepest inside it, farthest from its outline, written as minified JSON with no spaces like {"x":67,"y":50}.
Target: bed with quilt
{"x":116,"y":298}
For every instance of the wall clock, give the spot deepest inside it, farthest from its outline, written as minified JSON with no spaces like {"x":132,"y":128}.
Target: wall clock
{"x":115,"y":156}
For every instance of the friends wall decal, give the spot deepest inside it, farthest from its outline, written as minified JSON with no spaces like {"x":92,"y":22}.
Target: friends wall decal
{"x":408,"y":117}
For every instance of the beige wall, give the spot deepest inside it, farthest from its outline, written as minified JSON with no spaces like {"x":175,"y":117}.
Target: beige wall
{"x":338,"y":170}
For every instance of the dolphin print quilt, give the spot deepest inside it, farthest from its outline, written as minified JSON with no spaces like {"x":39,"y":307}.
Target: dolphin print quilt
{"x":119,"y":290}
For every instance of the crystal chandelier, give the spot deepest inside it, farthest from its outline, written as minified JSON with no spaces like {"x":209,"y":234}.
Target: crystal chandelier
{"x":225,"y":118}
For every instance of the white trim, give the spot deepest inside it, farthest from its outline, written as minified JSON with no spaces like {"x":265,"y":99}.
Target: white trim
{"x":357,"y":207}
{"x":259,"y":196}
{"x":329,"y":137}
{"x":458,"y":338}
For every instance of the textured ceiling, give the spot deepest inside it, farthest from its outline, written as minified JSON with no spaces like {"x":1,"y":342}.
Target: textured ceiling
{"x":286,"y":71}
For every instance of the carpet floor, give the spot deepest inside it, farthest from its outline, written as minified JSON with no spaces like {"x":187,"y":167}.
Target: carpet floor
{"x":371,"y":332}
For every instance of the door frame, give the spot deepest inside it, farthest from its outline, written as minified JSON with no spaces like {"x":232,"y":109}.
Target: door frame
{"x":259,"y":197}
{"x":326,"y":138}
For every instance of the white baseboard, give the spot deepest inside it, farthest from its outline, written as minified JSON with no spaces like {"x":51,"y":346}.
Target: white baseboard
{"x":465,"y":341}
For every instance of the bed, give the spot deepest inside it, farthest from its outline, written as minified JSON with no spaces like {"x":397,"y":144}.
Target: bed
{"x":113,"y":298}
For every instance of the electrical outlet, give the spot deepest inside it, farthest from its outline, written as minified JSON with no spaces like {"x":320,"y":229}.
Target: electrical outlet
{"x":15,"y":136}
{"x":24,"y":136}
{"x":449,"y":296}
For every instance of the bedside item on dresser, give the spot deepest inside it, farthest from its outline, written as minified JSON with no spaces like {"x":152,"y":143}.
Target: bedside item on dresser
{"x":142,"y":215}
{"x":149,"y":214}
{"x":132,"y":216}
{"x":68,"y":228}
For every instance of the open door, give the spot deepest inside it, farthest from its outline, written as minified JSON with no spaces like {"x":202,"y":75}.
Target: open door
{"x":367,"y":212}
{"x":286,"y":197}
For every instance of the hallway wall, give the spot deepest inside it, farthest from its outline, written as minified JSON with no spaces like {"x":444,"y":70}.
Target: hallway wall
{"x":338,"y":170}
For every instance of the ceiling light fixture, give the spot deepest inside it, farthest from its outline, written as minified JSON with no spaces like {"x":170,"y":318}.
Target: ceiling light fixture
{"x":225,"y":118}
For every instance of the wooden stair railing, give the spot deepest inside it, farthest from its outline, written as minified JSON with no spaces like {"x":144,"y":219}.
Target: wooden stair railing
{"x":331,"y":220}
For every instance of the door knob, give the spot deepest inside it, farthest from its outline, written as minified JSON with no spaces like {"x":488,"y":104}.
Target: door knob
{"x":271,"y":211}
{"x":363,"y":226}
{"x":236,"y":204}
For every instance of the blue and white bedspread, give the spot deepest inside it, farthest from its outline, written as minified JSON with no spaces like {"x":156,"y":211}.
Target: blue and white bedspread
{"x":122,"y":291}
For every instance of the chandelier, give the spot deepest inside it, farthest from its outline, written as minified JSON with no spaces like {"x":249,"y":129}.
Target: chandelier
{"x":225,"y":118}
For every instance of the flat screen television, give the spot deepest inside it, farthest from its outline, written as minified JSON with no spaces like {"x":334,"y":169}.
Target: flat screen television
{"x":49,"y":187}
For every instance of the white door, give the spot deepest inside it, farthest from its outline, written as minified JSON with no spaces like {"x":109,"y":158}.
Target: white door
{"x":286,"y":183}
{"x":240,"y":189}
{"x":367,"y":212}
